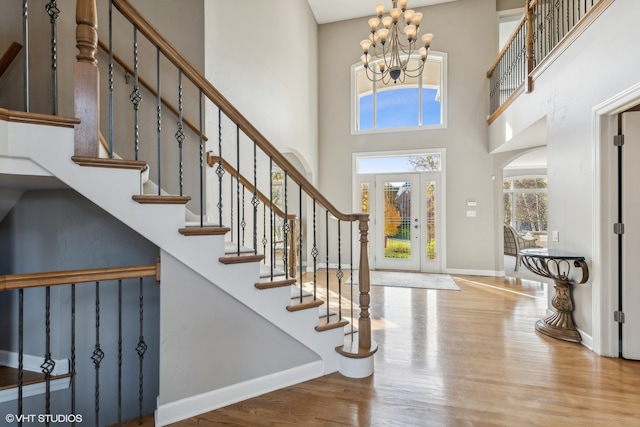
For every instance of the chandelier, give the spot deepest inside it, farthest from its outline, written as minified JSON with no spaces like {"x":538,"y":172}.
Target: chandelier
{"x":389,"y":50}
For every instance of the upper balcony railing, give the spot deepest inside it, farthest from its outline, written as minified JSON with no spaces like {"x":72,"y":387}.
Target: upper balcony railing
{"x":545,"y":30}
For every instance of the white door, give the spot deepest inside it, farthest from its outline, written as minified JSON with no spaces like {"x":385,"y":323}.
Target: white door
{"x":630,"y":196}
{"x":405,"y":222}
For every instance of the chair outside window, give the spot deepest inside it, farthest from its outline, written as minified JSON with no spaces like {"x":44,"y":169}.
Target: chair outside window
{"x":514,"y":243}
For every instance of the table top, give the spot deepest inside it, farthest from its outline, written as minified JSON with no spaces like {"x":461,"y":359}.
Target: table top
{"x":550,"y":254}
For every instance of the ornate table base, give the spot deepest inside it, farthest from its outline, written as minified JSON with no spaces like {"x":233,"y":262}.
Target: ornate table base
{"x":556,"y":266}
{"x":560,"y":324}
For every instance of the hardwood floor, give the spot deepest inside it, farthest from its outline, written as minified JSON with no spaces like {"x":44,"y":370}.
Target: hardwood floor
{"x":457,"y":358}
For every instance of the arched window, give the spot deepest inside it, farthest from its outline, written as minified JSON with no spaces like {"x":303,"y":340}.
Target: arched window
{"x":418,"y":102}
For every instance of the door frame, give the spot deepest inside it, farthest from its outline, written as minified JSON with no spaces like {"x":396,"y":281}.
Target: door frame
{"x":604,"y":267}
{"x":441,"y":207}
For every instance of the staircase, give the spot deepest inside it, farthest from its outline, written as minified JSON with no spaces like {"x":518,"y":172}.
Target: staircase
{"x":233,"y":325}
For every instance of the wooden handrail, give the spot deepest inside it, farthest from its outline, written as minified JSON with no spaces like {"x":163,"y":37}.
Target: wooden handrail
{"x":54,"y":278}
{"x":213,"y":160}
{"x":172,"y":54}
{"x":12,"y":52}
{"x":292,"y":218}
{"x":37,"y":118}
{"x":150,"y":88}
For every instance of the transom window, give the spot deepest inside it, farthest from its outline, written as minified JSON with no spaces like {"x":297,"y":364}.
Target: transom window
{"x":418,"y":102}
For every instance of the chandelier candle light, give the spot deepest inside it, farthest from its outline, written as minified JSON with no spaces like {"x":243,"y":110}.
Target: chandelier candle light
{"x":386,"y":57}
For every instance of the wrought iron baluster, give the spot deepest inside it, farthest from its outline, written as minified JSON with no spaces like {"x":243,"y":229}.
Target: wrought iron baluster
{"x":326,"y":242}
{"x":48,"y":364}
{"x":136,"y":96}
{"x":120,"y":351}
{"x":111,"y":79}
{"x":159,"y":121}
{"x":20,"y":351}
{"x":299,"y":248}
{"x":180,"y":135}
{"x":567,"y":20}
{"x":264,"y":232}
{"x":243,"y":222}
{"x":339,"y":273}
{"x":351,"y":285}
{"x":254,"y":200}
{"x":232,"y":229}
{"x":54,"y":12}
{"x":201,"y":152}
{"x":238,"y":183}
{"x":73,"y":350}
{"x":285,"y":230}
{"x":97,"y":356}
{"x":219,"y":168}
{"x":315,"y":252}
{"x":272,"y":251}
{"x":25,"y":43}
{"x":141,"y":349}
{"x":579,"y":11}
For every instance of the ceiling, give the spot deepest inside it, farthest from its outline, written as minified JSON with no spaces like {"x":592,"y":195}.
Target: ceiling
{"x":327,"y":11}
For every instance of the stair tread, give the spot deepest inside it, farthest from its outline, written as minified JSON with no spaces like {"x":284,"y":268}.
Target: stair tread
{"x":307,"y":302}
{"x":203,"y":231}
{"x":161,"y":200}
{"x":323,"y":325}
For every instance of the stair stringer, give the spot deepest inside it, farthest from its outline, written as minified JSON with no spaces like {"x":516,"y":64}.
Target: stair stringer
{"x":51,"y":148}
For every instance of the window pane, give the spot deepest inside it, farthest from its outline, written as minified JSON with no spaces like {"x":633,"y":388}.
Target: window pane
{"x":397,"y":108}
{"x":531,"y":211}
{"x":431,"y":109}
{"x":431,"y":220}
{"x":364,"y":197}
{"x":366,"y":112}
{"x":395,"y":164}
{"x":397,"y":219}
{"x":418,"y":100}
{"x":364,"y":93}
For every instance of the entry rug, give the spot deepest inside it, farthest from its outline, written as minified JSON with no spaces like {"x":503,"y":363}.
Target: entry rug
{"x":401,"y":279}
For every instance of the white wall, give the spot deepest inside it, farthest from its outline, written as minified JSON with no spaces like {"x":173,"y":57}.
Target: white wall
{"x":565,"y":95}
{"x":467,"y":31}
{"x":262,"y":56}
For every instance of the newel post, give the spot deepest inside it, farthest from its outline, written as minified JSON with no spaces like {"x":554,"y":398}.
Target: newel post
{"x":86,"y":80}
{"x":364,"y":322}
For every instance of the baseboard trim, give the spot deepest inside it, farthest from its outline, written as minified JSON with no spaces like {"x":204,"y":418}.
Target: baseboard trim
{"x":32,"y":363}
{"x":469,"y":272}
{"x":195,"y":405}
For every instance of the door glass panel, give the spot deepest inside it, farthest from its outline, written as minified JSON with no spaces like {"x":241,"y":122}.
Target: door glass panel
{"x":431,"y":220}
{"x":364,"y":197}
{"x":397,"y":219}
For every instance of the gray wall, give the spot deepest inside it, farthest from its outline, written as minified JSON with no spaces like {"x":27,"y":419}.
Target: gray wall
{"x":211,"y":340}
{"x":467,"y":31}
{"x":61,"y":230}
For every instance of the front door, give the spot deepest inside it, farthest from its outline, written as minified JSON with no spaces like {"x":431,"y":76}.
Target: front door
{"x":405,"y":222}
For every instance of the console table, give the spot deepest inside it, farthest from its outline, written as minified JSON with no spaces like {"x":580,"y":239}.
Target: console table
{"x":557,"y":266}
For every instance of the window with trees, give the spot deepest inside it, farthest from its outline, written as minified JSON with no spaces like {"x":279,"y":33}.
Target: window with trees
{"x":418,"y":102}
{"x":525,"y":203}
